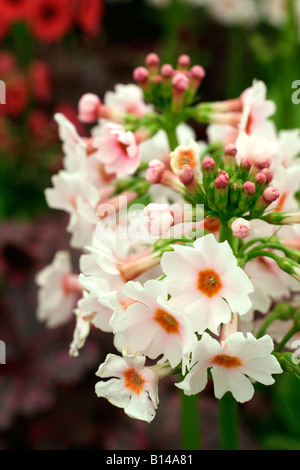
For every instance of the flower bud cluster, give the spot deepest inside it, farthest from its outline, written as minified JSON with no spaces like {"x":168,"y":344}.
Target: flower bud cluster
{"x":166,"y":87}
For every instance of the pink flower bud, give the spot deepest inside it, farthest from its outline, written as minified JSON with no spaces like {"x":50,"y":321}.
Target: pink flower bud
{"x":152,"y":60}
{"x":186,"y":174}
{"x":246,"y":163}
{"x":268,"y":174}
{"x":208,"y":164}
{"x":270,"y":194}
{"x":222,"y":180}
{"x":197,"y":72}
{"x":262,"y":162}
{"x":230,"y":150}
{"x":260,"y":178}
{"x":160,"y":219}
{"x":240,"y":228}
{"x":249,"y":187}
{"x":155,"y":171}
{"x":183,"y":61}
{"x":88,"y":108}
{"x":180,"y":82}
{"x":141,"y":75}
{"x":167,"y":71}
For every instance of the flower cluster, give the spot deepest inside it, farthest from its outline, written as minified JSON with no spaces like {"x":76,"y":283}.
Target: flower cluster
{"x":51,"y":20}
{"x":185,"y":244}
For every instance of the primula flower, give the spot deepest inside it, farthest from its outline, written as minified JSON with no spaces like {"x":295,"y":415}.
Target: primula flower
{"x":58,"y":291}
{"x":256,"y":110}
{"x":130,"y":385}
{"x":152,"y":326}
{"x":50,"y":20}
{"x":232,"y":363}
{"x":185,"y":155}
{"x":205,"y":282}
{"x":117,"y":150}
{"x":127,"y":98}
{"x":72,"y":194}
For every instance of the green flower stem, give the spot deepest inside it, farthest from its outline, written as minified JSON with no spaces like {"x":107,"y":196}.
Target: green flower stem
{"x":190,"y":421}
{"x":272,"y":317}
{"x":172,"y":138}
{"x":189,"y":412}
{"x":228,"y":421}
{"x":228,"y":409}
{"x":286,"y":338}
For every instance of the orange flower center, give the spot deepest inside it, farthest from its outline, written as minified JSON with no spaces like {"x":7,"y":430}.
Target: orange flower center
{"x":209,"y":282}
{"x":166,"y":321}
{"x":133,"y":380}
{"x":186,"y":157}
{"x":281,"y":202}
{"x":212,"y":225}
{"x":227,"y":361}
{"x":249,"y":124}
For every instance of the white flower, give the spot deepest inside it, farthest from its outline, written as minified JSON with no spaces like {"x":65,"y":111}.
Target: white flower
{"x":127,"y":99}
{"x":56,"y":298}
{"x":205,"y":283}
{"x":188,"y":154}
{"x":151,"y":326}
{"x":76,"y":196}
{"x":256,"y":110}
{"x":131,"y":385}
{"x":232,"y":363}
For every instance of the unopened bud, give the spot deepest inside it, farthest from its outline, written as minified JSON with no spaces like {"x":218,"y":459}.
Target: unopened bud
{"x":154,"y":172}
{"x":88,"y":108}
{"x":183,"y":62}
{"x":241,"y":228}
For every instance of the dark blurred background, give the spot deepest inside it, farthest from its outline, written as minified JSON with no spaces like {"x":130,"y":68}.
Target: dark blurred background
{"x":52,"y":52}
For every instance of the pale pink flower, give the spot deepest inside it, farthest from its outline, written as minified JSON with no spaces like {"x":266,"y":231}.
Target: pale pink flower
{"x":206,"y":283}
{"x":233,"y":363}
{"x":76,"y":196}
{"x":289,"y":147}
{"x":186,"y":155}
{"x":130,"y":385}
{"x":241,"y":228}
{"x":127,"y":98}
{"x":74,"y":147}
{"x":152,"y":326}
{"x":58,"y":291}
{"x":257,"y":110}
{"x":257,"y":148}
{"x":117,"y":150}
{"x":232,"y":12}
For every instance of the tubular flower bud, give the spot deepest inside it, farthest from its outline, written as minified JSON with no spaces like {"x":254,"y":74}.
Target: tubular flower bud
{"x":152,"y":63}
{"x":197,"y":73}
{"x":183,"y":62}
{"x":241,"y":228}
{"x":88,"y":108}
{"x":180,"y":84}
{"x":222,"y":180}
{"x":155,"y":171}
{"x":141,"y":76}
{"x":249,"y":187}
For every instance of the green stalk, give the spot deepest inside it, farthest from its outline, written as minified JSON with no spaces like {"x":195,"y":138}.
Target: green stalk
{"x":172,"y":138}
{"x":190,"y":421}
{"x":228,"y":421}
{"x":189,"y":412}
{"x":228,"y":408}
{"x":286,"y":338}
{"x":266,"y":324}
